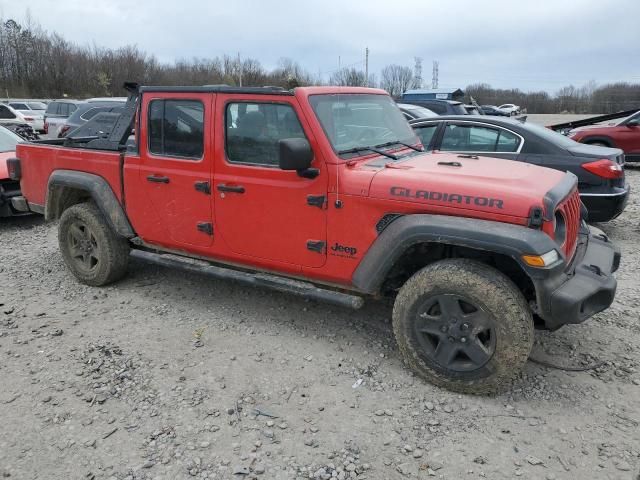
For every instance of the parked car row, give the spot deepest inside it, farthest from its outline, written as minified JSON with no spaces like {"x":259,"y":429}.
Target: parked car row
{"x":63,"y":116}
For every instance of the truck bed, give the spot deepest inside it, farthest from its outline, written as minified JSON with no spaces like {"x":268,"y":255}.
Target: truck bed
{"x":40,"y":159}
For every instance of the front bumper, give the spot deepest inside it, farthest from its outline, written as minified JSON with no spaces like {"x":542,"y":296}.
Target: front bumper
{"x":603,"y":207}
{"x":586,"y":287}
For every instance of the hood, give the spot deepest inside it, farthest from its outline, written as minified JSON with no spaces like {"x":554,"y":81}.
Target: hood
{"x":482,"y":184}
{"x":4,"y":156}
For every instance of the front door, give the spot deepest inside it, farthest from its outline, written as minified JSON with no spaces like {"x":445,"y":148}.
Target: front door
{"x":260,"y":210}
{"x":174,"y":175}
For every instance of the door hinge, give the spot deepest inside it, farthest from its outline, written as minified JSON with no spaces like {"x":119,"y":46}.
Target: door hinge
{"x":205,"y":227}
{"x":204,"y":187}
{"x":316,"y":246}
{"x":316,"y":201}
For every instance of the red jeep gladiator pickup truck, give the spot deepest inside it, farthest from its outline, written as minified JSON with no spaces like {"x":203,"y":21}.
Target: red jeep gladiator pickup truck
{"x":325,"y":192}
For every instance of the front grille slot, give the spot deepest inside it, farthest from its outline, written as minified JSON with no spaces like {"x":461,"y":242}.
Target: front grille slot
{"x":570,"y":209}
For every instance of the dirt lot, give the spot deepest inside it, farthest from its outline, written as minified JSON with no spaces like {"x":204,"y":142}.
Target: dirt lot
{"x":168,"y":375}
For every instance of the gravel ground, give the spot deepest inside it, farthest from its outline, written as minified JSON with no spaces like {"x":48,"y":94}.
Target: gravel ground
{"x":168,"y":375}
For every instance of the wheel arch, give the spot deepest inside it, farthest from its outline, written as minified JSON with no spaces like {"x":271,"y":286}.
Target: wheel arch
{"x":599,"y":139}
{"x":68,"y":187}
{"x":411,"y":242}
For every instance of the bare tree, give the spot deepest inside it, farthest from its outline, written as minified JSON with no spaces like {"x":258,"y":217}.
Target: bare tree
{"x":396,"y":79}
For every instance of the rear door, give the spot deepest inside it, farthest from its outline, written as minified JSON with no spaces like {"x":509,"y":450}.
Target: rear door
{"x":170,"y":195}
{"x":262,"y":211}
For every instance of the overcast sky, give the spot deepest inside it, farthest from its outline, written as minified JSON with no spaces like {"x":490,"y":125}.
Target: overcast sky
{"x":532,"y":45}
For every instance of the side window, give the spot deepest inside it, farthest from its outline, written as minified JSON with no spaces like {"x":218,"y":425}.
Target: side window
{"x":426,"y":133}
{"x":52,"y":108}
{"x":6,"y":113}
{"x":63,"y":109}
{"x":507,"y":142}
{"x":253,"y":131}
{"x":176,"y":128}
{"x":71,"y":108}
{"x":469,"y":138}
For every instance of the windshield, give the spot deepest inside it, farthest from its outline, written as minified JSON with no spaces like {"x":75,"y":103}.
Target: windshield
{"x":354,"y":121}
{"x":626,"y":119}
{"x":37,"y":106}
{"x":8,"y":140}
{"x":548,"y":134}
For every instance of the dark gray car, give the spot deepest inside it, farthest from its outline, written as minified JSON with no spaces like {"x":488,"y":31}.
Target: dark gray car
{"x":86,"y":112}
{"x":600,"y":170}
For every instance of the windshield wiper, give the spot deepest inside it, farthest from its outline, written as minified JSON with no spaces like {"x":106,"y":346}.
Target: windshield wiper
{"x":397,"y":142}
{"x":368,"y":149}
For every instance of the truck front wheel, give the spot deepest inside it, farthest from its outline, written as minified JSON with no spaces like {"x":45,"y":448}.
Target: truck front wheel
{"x":94,"y":253}
{"x":464,"y":326}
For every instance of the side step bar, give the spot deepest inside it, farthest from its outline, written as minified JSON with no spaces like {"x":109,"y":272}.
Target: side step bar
{"x":296,"y":287}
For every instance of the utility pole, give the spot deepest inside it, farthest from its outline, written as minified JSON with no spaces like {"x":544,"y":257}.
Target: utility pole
{"x":434,"y":78}
{"x":366,"y":67}
{"x":239,"y":69}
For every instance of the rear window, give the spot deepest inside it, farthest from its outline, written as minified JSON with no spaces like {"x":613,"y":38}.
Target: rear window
{"x":19,"y":106}
{"x":92,"y":112}
{"x":176,"y":128}
{"x":458,"y":109}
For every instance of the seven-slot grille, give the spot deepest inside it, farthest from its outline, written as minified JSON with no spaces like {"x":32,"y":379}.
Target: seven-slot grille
{"x":570,"y":210}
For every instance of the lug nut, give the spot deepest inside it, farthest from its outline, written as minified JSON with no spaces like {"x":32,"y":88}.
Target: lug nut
{"x":443,"y":328}
{"x":463,"y":339}
{"x":451,"y":339}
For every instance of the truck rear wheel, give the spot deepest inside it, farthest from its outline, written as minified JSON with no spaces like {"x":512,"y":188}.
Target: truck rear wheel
{"x":464,"y":326}
{"x":94,"y":253}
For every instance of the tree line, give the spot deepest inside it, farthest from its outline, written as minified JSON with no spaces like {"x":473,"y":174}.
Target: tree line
{"x":38,"y":64}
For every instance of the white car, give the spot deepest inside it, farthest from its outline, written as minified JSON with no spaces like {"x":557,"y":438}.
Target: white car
{"x":510,"y":108}
{"x":31,"y":108}
{"x":9,"y":114}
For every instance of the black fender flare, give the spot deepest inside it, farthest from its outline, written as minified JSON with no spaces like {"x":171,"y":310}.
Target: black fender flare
{"x":599,"y":138}
{"x":99,"y":190}
{"x":501,"y":238}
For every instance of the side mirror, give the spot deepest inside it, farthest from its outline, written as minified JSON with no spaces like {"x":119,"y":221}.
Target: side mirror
{"x":295,"y":154}
{"x":633,"y":123}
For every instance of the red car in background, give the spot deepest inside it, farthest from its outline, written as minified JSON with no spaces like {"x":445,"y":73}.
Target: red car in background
{"x":8,"y":188}
{"x":623,"y":134}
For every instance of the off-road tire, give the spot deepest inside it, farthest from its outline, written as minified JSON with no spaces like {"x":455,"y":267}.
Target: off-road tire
{"x":487,"y":289}
{"x":83,"y":228}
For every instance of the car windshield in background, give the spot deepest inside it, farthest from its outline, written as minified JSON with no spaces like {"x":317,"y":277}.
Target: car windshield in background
{"x":548,"y":134}
{"x":357,"y":121}
{"x":8,"y":140}
{"x":37,"y":105}
{"x":422,"y":112}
